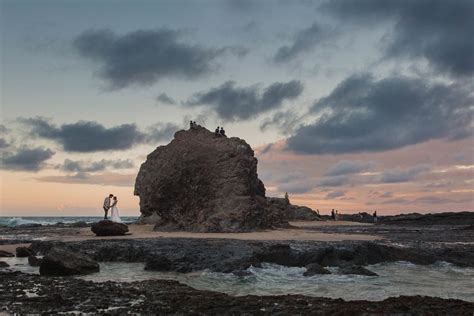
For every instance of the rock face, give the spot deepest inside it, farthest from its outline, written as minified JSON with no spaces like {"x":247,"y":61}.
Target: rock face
{"x":200,"y":182}
{"x":109,"y":228}
{"x":6,"y":254}
{"x":23,"y":252}
{"x":62,"y":262}
{"x":292,"y":212}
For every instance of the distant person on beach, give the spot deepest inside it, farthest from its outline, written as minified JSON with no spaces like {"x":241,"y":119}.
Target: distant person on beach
{"x":216,"y":132}
{"x":107,"y":203}
{"x":191,"y":125}
{"x":336,"y":215}
{"x":333,"y":215}
{"x":222,"y":132}
{"x":114,"y":214}
{"x":375,"y":216}
{"x":287,"y":198}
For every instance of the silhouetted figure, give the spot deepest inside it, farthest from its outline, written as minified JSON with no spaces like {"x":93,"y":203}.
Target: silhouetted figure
{"x":333,"y":215}
{"x":216,"y":132}
{"x":287,"y":198}
{"x":222,"y":132}
{"x":336,"y":215}
{"x":191,"y":125}
{"x":375,"y":216}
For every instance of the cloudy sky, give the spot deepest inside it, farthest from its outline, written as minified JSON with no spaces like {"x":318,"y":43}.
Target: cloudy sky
{"x":358,"y":105}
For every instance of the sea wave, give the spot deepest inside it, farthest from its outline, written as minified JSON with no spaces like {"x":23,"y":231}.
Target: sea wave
{"x":53,"y":220}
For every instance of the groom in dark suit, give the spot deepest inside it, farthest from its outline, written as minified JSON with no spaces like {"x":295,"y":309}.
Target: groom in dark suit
{"x":107,"y":205}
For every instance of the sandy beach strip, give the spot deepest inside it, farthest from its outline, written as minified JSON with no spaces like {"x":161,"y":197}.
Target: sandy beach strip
{"x":300,"y":233}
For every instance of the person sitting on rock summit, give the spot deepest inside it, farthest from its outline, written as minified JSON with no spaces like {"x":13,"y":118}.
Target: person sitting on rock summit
{"x":216,"y":132}
{"x":222,"y":132}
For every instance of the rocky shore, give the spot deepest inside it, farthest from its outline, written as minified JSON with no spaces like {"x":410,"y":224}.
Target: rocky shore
{"x":418,"y":244}
{"x":28,"y":294}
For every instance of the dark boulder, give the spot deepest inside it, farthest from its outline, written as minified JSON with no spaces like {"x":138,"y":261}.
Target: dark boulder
{"x":203,"y":183}
{"x":352,"y":269}
{"x":4,"y":264}
{"x":62,"y":262}
{"x":314,"y":268}
{"x":34,"y":261}
{"x":109,"y":228}
{"x":6,"y":254}
{"x":23,"y":252}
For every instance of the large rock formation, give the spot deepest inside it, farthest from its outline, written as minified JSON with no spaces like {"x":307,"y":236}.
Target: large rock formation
{"x":292,"y":212}
{"x":200,"y":182}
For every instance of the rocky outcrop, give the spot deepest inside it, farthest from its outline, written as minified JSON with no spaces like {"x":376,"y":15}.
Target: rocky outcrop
{"x":203,"y":183}
{"x":23,"y":252}
{"x":291,"y":212}
{"x":109,"y":228}
{"x":34,"y":261}
{"x":6,"y":254}
{"x":166,"y":297}
{"x":447,"y":218}
{"x":62,"y":262}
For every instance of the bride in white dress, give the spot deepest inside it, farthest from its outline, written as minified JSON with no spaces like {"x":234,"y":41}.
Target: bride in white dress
{"x":114,"y":215}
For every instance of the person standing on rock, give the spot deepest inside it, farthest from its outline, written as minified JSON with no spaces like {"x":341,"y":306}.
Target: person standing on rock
{"x":107,"y":205}
{"x":222,"y":132}
{"x":287,"y":198}
{"x":375,"y":216}
{"x":216,"y":132}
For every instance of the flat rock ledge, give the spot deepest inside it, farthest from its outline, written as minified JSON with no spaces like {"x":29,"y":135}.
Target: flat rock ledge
{"x":109,"y":228}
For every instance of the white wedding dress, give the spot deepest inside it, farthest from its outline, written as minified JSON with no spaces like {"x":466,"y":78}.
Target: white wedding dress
{"x":114,"y":215}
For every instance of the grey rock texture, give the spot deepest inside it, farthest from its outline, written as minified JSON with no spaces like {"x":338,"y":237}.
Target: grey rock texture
{"x":62,"y":262}
{"x":203,"y":183}
{"x":292,"y":212}
{"x":109,"y":228}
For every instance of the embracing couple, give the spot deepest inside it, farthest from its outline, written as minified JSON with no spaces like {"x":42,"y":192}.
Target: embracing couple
{"x":110,"y":203}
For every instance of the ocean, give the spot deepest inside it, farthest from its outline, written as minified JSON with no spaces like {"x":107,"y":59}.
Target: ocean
{"x":6,"y":221}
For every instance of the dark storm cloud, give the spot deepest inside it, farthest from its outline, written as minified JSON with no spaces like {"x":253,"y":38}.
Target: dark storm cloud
{"x":284,"y":121}
{"x":348,"y":167}
{"x":396,"y":176}
{"x":145,"y":56}
{"x":304,"y":41}
{"x":436,"y":30}
{"x":3,"y":143}
{"x":85,"y":136}
{"x":166,"y":99}
{"x":84,"y":166}
{"x":26,"y":159}
{"x":364,"y":114}
{"x":232,"y":103}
